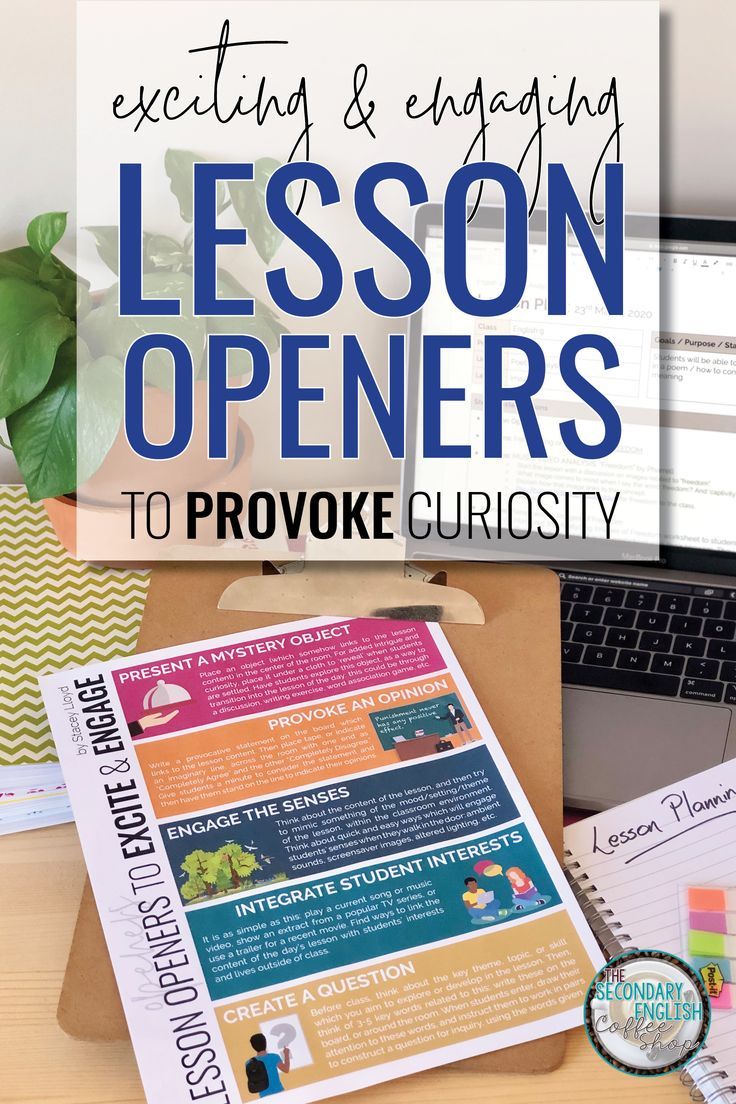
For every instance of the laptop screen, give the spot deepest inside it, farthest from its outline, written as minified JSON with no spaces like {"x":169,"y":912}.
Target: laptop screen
{"x":698,"y":395}
{"x":691,"y":347}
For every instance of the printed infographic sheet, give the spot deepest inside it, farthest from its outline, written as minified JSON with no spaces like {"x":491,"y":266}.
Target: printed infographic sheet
{"x":307,"y":847}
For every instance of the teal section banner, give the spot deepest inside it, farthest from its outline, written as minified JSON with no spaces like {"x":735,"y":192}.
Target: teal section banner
{"x":274,"y":937}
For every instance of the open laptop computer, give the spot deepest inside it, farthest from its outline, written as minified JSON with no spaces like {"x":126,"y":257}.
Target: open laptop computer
{"x":649,"y":653}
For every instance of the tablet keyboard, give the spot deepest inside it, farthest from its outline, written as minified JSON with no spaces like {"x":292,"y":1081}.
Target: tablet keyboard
{"x":649,"y":637}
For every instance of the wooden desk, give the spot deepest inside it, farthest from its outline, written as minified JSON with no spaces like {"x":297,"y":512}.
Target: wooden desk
{"x":41,"y":874}
{"x":418,"y":747}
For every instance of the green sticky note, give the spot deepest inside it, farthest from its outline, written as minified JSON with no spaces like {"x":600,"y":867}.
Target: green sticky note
{"x":706,"y":943}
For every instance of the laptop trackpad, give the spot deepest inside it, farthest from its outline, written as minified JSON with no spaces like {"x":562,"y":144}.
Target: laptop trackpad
{"x":618,"y":746}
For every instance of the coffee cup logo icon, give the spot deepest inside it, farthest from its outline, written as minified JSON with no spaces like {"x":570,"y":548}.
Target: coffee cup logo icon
{"x":647,"y":1012}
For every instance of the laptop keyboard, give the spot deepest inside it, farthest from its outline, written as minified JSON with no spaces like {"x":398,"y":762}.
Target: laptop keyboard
{"x":649,"y":637}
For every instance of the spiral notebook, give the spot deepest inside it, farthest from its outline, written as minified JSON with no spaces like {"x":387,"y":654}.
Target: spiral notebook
{"x":660,"y":873}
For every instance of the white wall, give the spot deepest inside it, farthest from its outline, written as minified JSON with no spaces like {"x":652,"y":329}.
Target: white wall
{"x":37,"y":67}
{"x":37,"y":109}
{"x":698,"y":109}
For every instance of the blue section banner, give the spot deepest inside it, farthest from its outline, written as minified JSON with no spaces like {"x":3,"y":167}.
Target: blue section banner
{"x":276,"y":936}
{"x":339,"y":824}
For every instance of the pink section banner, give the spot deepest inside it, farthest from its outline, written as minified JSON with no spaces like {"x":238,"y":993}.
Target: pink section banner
{"x":234,"y":678}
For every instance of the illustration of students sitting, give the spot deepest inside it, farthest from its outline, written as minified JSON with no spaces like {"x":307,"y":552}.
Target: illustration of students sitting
{"x":264,"y":1069}
{"x":455,"y":715}
{"x":483,"y":906}
{"x":523,"y":887}
{"x":526,"y":896}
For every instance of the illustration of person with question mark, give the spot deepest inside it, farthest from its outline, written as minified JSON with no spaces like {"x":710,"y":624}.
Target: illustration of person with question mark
{"x":264,"y":1069}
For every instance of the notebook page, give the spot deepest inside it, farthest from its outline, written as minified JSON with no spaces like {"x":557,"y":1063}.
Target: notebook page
{"x":640,"y":855}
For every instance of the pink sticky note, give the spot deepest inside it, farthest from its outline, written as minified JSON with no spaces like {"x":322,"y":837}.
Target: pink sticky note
{"x":725,"y":1000}
{"x":708,"y":921}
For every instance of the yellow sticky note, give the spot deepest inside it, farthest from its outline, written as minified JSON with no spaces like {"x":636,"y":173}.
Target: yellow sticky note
{"x":706,"y":943}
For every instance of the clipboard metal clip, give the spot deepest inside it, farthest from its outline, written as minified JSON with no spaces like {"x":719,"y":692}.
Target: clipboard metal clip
{"x":391,"y":589}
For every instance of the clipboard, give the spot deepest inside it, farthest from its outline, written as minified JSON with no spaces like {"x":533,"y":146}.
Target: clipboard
{"x":512,"y":661}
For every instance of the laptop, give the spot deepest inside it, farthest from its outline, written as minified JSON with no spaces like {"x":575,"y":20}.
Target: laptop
{"x":648,"y":652}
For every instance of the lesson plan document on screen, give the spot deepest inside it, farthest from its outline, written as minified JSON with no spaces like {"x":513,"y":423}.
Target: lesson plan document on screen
{"x":307,"y":847}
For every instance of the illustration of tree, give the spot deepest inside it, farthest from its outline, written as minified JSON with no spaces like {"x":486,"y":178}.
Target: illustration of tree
{"x":196,"y":865}
{"x":193,"y":888}
{"x":231,"y":866}
{"x":222,"y":879}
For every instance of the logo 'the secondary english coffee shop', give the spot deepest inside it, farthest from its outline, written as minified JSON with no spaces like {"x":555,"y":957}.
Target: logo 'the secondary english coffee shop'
{"x":647,"y":1013}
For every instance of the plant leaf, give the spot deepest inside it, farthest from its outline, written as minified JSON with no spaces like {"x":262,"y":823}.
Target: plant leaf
{"x":262,"y":324}
{"x":230,"y":288}
{"x":109,"y":334}
{"x":46,"y":272}
{"x":49,"y":272}
{"x":106,"y":240}
{"x":99,"y":412}
{"x":32,"y":328}
{"x":43,"y":432}
{"x":52,"y":274}
{"x":249,"y":203}
{"x":159,"y":250}
{"x":84,"y":303}
{"x":55,"y":451}
{"x":44,"y":231}
{"x":180,"y":171}
{"x":22,"y":263}
{"x":256,"y":325}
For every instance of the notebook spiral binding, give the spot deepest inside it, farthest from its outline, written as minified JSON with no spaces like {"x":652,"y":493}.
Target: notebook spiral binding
{"x":613,"y":940}
{"x":607,"y":931}
{"x":694,"y":1079}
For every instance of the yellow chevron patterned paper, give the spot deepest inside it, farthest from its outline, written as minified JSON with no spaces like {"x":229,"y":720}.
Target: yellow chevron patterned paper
{"x":55,"y":612}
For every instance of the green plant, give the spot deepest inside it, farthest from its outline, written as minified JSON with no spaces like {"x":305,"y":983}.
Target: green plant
{"x":57,"y":340}
{"x":231,"y":866}
{"x":226,"y":870}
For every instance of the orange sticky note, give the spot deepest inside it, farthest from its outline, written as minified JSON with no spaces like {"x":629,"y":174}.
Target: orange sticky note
{"x":709,"y":900}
